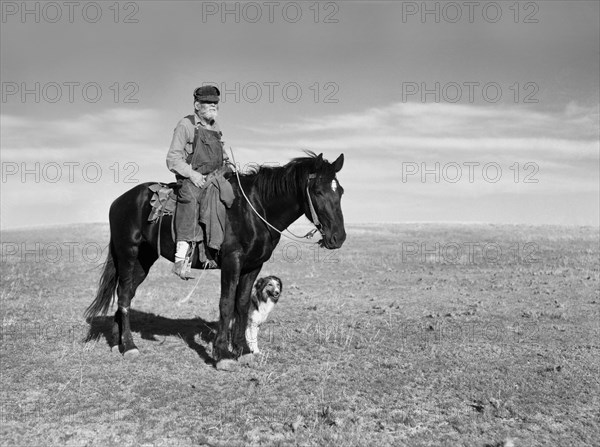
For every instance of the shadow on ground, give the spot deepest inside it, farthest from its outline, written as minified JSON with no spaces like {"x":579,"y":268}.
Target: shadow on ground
{"x":150,"y":326}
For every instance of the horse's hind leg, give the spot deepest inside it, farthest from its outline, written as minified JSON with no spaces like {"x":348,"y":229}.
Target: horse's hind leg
{"x":125,"y":292}
{"x":131,"y":275}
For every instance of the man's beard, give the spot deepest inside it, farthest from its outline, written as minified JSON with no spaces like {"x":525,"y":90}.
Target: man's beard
{"x":209,"y":115}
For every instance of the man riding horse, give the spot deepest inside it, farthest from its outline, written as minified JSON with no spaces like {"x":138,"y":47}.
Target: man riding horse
{"x":196,"y":151}
{"x":253,"y":210}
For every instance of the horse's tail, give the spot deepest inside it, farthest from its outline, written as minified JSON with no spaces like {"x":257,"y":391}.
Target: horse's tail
{"x":106,"y":287}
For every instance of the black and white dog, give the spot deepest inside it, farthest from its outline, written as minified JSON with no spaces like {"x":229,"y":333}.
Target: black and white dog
{"x":265,"y":294}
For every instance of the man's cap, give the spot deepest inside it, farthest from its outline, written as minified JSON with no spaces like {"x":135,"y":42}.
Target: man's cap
{"x":207,"y":93}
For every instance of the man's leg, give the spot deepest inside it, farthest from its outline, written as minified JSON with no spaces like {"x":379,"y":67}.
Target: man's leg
{"x":186,"y":216}
{"x":181,"y":251}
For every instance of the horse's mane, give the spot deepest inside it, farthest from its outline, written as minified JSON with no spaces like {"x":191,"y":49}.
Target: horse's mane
{"x":282,"y":180}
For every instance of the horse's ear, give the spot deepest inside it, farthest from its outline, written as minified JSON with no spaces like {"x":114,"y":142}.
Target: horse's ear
{"x":319,"y":161}
{"x":337,"y":165}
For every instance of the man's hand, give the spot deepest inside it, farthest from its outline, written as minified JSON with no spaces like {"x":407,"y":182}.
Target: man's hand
{"x":197,"y":179}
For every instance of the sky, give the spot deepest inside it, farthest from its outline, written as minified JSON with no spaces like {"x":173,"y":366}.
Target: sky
{"x":444,"y":111}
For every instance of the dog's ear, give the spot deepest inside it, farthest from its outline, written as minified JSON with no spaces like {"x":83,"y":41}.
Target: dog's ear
{"x":260,"y":284}
{"x":254,"y":300}
{"x":256,"y":292}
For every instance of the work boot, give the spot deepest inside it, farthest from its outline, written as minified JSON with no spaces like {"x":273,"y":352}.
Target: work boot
{"x":182,"y":269}
{"x":181,"y":266}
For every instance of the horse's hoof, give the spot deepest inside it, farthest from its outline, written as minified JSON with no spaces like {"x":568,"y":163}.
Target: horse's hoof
{"x":132,"y":353}
{"x":115,"y":348}
{"x":227,"y":365}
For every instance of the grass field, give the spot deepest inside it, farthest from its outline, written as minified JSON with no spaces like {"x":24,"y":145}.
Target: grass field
{"x":418,"y":335}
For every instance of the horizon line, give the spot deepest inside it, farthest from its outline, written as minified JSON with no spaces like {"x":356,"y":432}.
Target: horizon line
{"x":369,"y":223}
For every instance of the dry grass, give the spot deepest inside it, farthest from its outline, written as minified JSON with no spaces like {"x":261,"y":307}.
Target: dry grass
{"x":368,"y":346}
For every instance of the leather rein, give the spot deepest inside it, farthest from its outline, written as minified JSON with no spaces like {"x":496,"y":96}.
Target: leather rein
{"x":313,"y":213}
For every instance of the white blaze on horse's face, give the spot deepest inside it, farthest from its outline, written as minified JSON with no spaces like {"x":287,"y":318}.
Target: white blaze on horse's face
{"x":334,"y":185}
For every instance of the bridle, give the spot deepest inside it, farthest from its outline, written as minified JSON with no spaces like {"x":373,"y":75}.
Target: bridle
{"x":313,"y":213}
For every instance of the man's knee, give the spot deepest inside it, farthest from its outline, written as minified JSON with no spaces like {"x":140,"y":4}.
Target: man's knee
{"x":187,"y":192}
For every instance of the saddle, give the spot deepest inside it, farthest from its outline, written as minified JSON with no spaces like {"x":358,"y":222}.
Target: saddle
{"x":218,"y":195}
{"x":163,"y":201}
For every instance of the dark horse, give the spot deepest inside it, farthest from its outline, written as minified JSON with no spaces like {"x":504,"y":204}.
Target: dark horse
{"x":280,"y":194}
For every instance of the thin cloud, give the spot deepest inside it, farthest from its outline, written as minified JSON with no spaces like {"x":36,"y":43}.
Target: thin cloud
{"x":448,"y":120}
{"x":447,"y":131}
{"x":110,"y":131}
{"x":377,"y":143}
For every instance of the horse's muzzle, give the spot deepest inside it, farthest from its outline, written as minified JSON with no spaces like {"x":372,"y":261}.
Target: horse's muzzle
{"x":333,"y":240}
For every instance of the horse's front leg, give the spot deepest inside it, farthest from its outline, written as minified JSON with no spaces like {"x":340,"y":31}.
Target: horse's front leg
{"x":242,"y":303}
{"x":230,"y":276}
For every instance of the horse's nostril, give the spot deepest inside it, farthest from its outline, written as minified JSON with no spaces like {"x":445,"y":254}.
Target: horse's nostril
{"x":334,"y":239}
